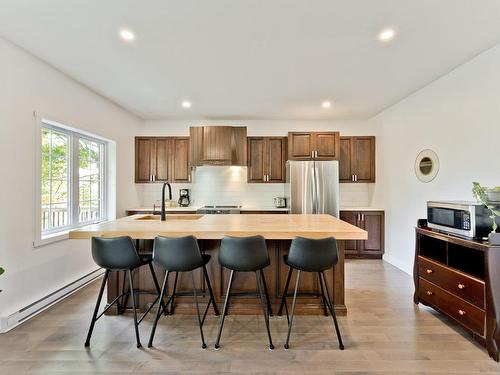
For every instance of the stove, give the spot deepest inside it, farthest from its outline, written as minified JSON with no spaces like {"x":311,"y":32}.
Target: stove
{"x":219,"y":210}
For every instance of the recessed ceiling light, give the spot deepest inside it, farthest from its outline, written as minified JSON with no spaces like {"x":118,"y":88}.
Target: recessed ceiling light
{"x":326,"y":104}
{"x":386,"y":35}
{"x":186,"y":104}
{"x":127,"y":35}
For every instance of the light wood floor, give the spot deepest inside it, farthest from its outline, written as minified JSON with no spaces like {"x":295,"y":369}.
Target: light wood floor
{"x":384,"y":333}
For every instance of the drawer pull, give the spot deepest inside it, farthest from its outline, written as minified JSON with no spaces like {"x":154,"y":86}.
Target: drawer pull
{"x":429,"y":271}
{"x":461,"y":312}
{"x":429,"y":293}
{"x":461,"y":286}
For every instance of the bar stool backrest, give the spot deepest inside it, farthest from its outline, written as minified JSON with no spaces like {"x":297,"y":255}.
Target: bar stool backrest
{"x":313,"y":255}
{"x":177,"y":254}
{"x":244,"y":253}
{"x":116,"y":253}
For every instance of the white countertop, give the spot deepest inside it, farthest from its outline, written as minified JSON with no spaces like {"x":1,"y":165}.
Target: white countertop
{"x":361,"y":209}
{"x":194,"y":208}
{"x":147,"y":209}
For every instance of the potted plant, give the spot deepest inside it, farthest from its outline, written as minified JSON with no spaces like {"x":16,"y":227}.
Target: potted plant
{"x":490,"y":197}
{"x":1,"y":271}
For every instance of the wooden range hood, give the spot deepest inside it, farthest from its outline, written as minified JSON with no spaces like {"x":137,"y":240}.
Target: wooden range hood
{"x":218,"y":145}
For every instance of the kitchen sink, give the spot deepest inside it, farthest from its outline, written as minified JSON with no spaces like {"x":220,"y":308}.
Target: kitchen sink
{"x":169,"y":217}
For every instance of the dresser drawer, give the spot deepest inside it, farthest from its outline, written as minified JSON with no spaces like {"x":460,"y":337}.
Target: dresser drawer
{"x":463,"y":312}
{"x":460,"y":284}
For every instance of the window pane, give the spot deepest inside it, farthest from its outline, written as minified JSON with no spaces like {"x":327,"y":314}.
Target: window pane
{"x":54,"y":180}
{"x":90,"y":180}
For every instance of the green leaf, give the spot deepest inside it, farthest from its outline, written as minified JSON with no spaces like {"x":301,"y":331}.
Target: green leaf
{"x":1,"y":270}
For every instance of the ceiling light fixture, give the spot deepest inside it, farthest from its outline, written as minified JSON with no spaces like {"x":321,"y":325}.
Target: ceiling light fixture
{"x":326,"y":104}
{"x":186,"y":104}
{"x":386,"y":35}
{"x":127,"y":35}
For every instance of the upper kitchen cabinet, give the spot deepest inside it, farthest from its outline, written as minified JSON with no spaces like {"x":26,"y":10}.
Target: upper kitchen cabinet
{"x":313,"y":145}
{"x":161,"y":159}
{"x":145,"y":157}
{"x":357,"y":159}
{"x":266,"y":159}
{"x":218,"y":145}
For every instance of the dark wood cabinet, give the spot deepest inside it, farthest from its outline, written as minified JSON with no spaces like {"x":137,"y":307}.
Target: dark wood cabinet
{"x":373,"y":223}
{"x":266,"y":159}
{"x":313,"y":145}
{"x":218,"y":145}
{"x":460,"y":278}
{"x":145,"y":150}
{"x":160,"y":159}
{"x":357,"y":159}
{"x":180,"y":170}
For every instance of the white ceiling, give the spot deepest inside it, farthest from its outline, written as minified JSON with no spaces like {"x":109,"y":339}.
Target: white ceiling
{"x":253,"y":59}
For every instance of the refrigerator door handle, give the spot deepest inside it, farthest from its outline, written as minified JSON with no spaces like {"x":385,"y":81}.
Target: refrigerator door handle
{"x":314,"y":192}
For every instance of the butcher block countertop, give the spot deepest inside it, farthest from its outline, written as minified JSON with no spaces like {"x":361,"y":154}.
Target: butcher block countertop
{"x":284,"y":227}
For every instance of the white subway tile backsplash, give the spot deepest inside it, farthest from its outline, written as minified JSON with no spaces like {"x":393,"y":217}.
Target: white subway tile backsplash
{"x":228,"y":186}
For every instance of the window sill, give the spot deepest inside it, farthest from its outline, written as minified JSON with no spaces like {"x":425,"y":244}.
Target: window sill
{"x":51,"y":238}
{"x":62,"y":235}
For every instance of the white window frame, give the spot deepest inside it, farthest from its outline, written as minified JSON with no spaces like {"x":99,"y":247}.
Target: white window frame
{"x":61,"y":233}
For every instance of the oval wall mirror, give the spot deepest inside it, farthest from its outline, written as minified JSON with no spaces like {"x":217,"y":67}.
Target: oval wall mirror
{"x":426,"y":165}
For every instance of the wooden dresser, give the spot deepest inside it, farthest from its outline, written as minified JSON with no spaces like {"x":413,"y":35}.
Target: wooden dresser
{"x":461,"y":279}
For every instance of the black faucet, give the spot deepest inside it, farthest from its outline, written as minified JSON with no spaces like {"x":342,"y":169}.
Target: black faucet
{"x":163,"y":217}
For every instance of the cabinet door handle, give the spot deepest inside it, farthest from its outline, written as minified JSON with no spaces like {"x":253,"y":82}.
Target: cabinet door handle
{"x":362,"y":217}
{"x":352,"y":177}
{"x":356,"y":177}
{"x":429,"y":271}
{"x":461,"y":286}
{"x":429,"y":293}
{"x":462,"y":312}
{"x":267,"y":178}
{"x":154,"y":178}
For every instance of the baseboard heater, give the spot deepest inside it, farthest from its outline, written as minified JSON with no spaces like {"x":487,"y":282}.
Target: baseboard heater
{"x":33,"y":309}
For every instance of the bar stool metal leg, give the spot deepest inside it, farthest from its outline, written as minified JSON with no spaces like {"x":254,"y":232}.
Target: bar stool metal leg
{"x":136,"y":325}
{"x":96,"y":310}
{"x":268,"y":301}
{"x":322,"y":295}
{"x":158,"y":312}
{"x":265,"y":309}
{"x":203,"y":345}
{"x":224,"y":310}
{"x":293,"y":309}
{"x":283,"y":299}
{"x":157,"y":286}
{"x":172,"y":297}
{"x":332,"y":311}
{"x":209,"y":286}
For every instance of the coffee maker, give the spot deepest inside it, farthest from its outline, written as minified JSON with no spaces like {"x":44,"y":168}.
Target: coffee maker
{"x":184,"y":198}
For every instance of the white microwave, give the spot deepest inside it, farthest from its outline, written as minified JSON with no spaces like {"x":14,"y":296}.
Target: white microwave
{"x":464,"y":219}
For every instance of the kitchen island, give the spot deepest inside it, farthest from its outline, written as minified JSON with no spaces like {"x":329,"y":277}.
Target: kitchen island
{"x":209,"y":229}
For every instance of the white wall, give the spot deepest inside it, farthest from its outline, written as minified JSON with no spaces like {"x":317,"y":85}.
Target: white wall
{"x":28,"y":85}
{"x":458,"y":116}
{"x":219,"y":185}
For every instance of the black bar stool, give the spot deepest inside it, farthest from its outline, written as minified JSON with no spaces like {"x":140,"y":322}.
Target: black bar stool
{"x":310,"y":255}
{"x":181,"y":255}
{"x":245,"y":254}
{"x":120,"y":254}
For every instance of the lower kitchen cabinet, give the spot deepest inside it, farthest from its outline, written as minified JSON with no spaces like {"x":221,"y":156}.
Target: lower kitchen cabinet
{"x":373,"y":223}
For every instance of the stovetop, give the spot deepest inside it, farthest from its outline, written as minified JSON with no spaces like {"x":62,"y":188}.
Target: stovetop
{"x":221,"y":207}
{"x":215,"y":209}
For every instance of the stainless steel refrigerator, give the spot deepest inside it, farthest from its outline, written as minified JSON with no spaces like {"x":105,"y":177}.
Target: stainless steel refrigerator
{"x":312,"y":187}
